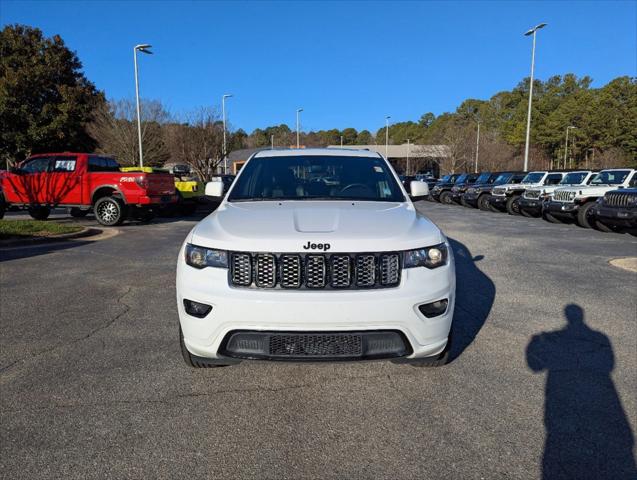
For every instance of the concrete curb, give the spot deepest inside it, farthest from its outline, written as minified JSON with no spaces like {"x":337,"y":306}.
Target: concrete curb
{"x":85,"y":232}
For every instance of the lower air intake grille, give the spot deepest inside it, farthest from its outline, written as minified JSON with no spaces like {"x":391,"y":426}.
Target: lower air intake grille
{"x":315,"y":271}
{"x":316,"y":345}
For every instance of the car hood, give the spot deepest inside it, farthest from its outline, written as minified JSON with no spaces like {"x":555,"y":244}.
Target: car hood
{"x":288,"y":226}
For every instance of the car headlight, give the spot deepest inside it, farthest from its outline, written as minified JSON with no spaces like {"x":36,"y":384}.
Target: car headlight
{"x":572,"y":195}
{"x":201,"y":257}
{"x":430,"y":257}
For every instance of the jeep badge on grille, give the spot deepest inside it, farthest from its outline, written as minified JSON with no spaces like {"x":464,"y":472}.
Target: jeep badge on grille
{"x":317,"y":246}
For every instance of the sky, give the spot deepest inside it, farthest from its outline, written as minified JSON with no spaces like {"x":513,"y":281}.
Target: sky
{"x":347,"y":64}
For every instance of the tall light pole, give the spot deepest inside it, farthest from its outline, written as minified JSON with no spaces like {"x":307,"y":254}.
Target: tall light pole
{"x":566,"y":143}
{"x":144,"y":48}
{"x":341,"y":141}
{"x":533,"y":31}
{"x":272,"y":142}
{"x":387,"y":136}
{"x":408,"y":148}
{"x":298,"y":128}
{"x":477,"y":147}
{"x":223,"y":113}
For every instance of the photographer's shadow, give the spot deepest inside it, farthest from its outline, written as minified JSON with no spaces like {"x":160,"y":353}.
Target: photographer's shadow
{"x":587,"y":432}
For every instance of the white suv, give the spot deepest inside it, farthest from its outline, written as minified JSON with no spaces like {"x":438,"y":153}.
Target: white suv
{"x":315,"y":254}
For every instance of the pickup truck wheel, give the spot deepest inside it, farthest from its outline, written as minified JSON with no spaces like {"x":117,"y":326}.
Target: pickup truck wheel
{"x":483,"y":202}
{"x":585,"y":215}
{"x":438,"y":360}
{"x":551,"y":218}
{"x":190,"y":359}
{"x":513,"y":207}
{"x":39,"y":213}
{"x":78,"y":212}
{"x":110,"y":211}
{"x":445,"y":198}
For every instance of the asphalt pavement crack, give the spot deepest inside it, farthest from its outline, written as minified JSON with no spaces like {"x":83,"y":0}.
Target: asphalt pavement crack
{"x":79,"y":339}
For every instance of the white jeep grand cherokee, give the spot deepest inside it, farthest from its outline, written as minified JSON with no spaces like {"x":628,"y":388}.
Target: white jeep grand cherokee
{"x":314,"y":255}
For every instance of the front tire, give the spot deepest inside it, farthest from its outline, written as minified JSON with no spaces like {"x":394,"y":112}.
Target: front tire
{"x":584,"y":215}
{"x":110,"y":211}
{"x":513,"y":207}
{"x":445,"y":198}
{"x":3,"y":209}
{"x":464,"y":203}
{"x":602,"y":227}
{"x":39,"y":213}
{"x":483,"y":203}
{"x":549,"y":217}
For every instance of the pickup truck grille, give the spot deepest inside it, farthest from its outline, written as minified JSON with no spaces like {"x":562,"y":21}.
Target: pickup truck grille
{"x":562,"y":196}
{"x":315,"y":271}
{"x":617,"y":199}
{"x":532,"y":194}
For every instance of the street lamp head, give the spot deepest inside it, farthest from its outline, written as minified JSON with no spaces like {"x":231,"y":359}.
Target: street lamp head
{"x":227,"y":95}
{"x":535,"y":29}
{"x":144,"y":48}
{"x":299,"y":110}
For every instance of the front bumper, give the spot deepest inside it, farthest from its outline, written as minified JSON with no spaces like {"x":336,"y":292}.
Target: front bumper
{"x":562,"y":208}
{"x":346,"y":311}
{"x":498,"y":201}
{"x":531,"y":205}
{"x":618,"y":216}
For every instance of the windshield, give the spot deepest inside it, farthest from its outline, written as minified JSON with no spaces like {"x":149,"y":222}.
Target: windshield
{"x":305,"y":177}
{"x":502,"y":178}
{"x":573,"y":178}
{"x":610,"y":177}
{"x":483,"y":178}
{"x":533,"y":177}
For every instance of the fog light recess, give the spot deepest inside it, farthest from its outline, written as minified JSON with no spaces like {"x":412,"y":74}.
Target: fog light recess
{"x":196,"y":309}
{"x":434,"y":309}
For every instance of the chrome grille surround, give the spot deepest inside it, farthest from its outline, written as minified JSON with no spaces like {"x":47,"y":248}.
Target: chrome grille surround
{"x":315,"y":271}
{"x":620,"y":199}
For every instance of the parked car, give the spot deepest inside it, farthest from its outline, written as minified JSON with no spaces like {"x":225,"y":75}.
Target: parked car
{"x":532,"y":200}
{"x":442,"y":189}
{"x":617,"y":210}
{"x":462,"y":184}
{"x":506,"y":197}
{"x":283,"y":272}
{"x":478,"y":195}
{"x":577,"y":203}
{"x":83,"y":182}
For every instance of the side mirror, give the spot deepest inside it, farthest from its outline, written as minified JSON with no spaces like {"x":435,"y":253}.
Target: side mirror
{"x":214,"y":189}
{"x":419,"y":189}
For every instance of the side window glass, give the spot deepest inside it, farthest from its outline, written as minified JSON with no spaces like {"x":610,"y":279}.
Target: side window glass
{"x":93,"y":164}
{"x":633,"y":181}
{"x":553,"y":179}
{"x":37,"y":165}
{"x":64,"y":164}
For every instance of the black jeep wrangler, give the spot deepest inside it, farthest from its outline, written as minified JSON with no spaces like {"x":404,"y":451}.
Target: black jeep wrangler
{"x":478,"y":195}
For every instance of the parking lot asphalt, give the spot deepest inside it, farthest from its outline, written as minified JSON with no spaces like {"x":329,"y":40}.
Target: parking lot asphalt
{"x":542,"y":380}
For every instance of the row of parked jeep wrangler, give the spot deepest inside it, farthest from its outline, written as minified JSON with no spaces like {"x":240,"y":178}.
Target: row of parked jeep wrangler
{"x":605,"y":200}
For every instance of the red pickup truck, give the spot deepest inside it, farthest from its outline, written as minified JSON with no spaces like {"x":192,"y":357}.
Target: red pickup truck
{"x":83,"y":181}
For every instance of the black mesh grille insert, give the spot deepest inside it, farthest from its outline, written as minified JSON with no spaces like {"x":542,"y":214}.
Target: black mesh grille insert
{"x":315,"y":271}
{"x":316,"y":345}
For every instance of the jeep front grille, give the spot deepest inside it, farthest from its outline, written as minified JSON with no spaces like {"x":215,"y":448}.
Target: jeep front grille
{"x":315,"y":271}
{"x":617,"y":199}
{"x":563,"y":196}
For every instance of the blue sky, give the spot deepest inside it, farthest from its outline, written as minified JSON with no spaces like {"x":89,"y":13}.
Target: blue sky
{"x":348,"y":64}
